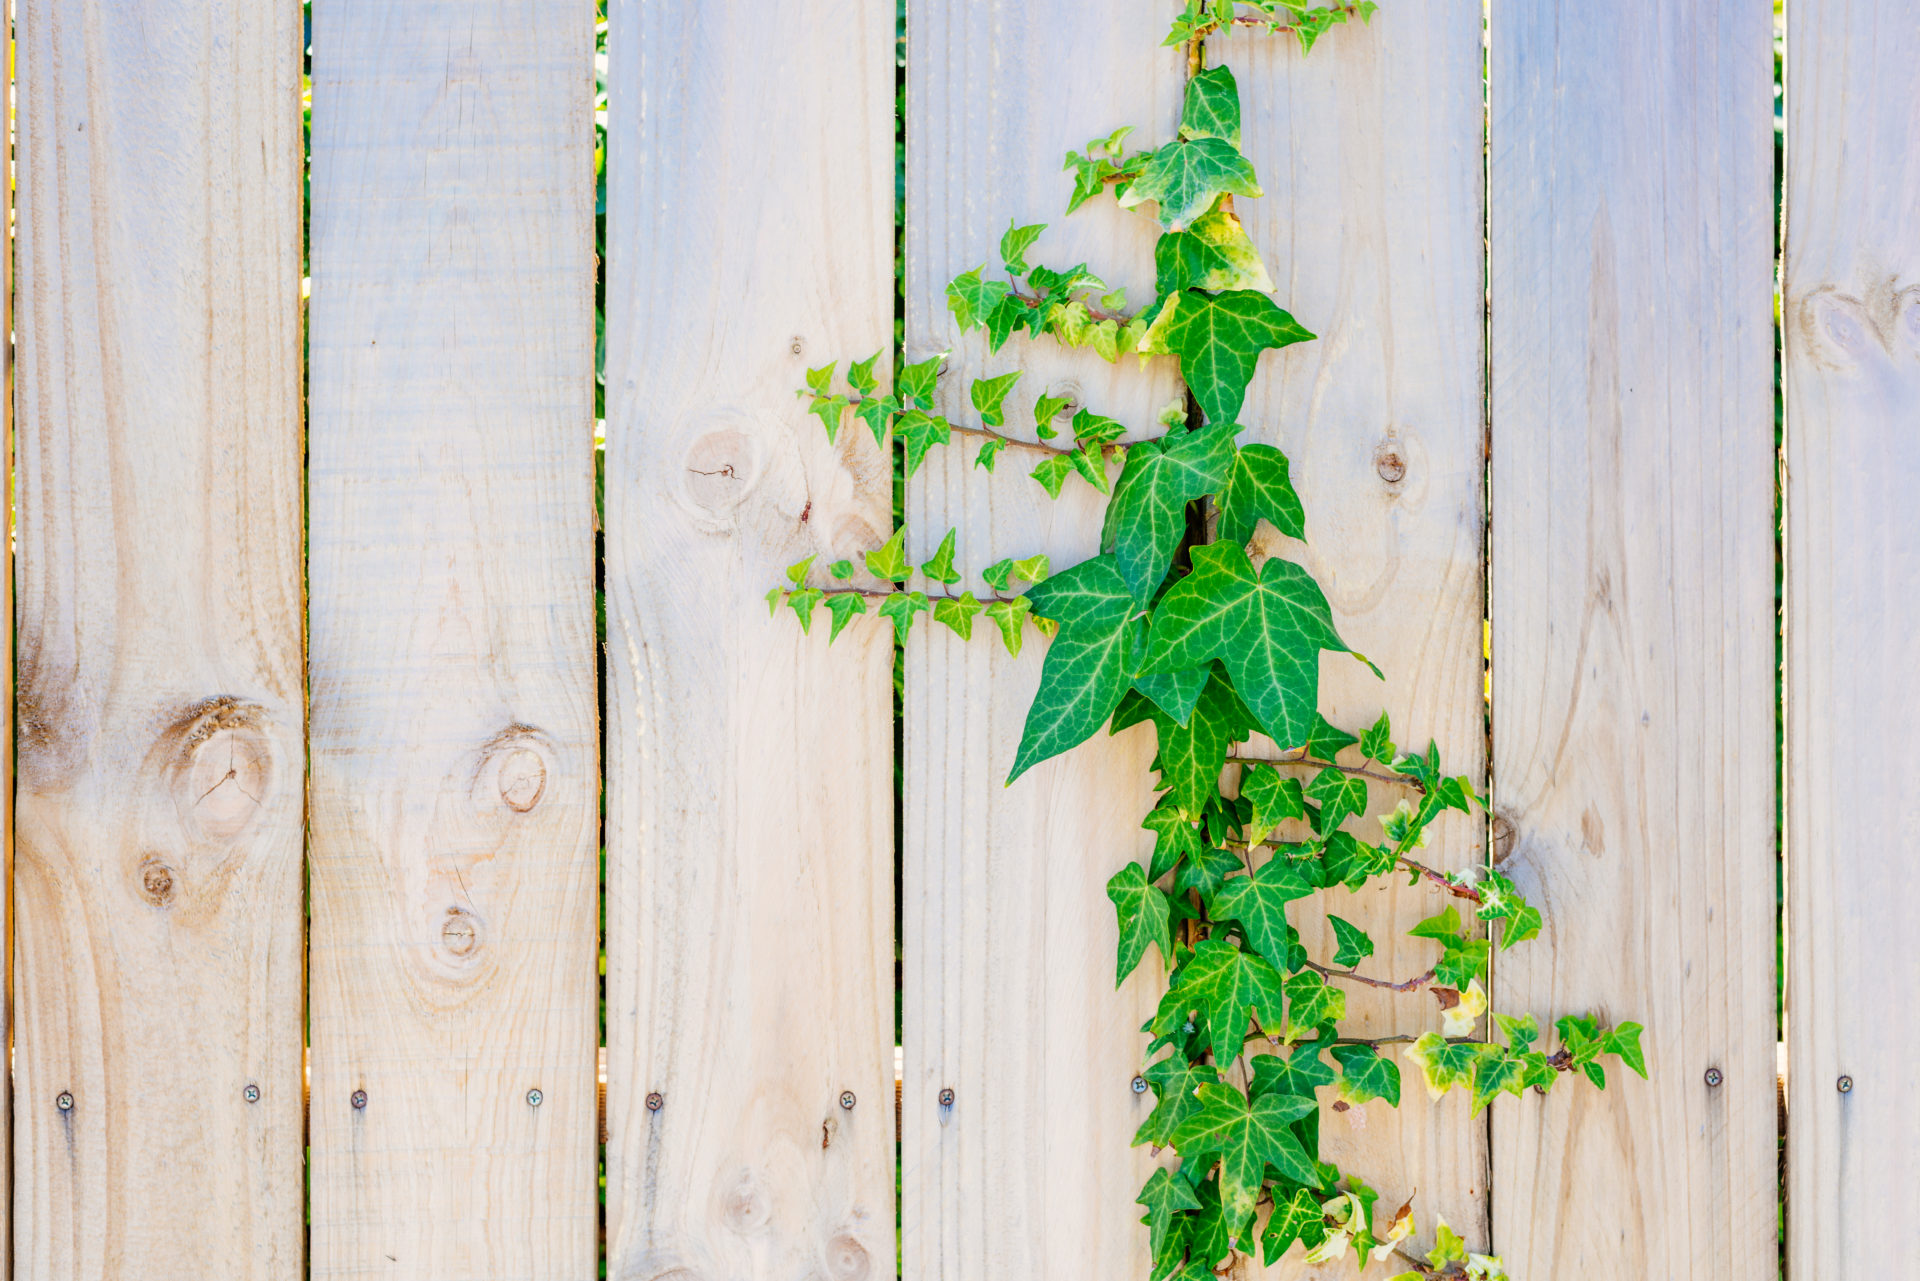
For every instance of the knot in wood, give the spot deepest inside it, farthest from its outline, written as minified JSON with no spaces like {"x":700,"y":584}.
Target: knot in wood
{"x":1387,"y":461}
{"x":744,"y":1206}
{"x":460,"y":933}
{"x":224,"y":765}
{"x":847,"y":1259}
{"x":523,"y":779}
{"x":156,"y":881}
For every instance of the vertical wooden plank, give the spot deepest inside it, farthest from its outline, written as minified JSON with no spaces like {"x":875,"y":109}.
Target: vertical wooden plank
{"x":749,"y":837}
{"x":454,"y":725}
{"x":1008,"y":995}
{"x":1632,"y":625}
{"x":1369,"y":150}
{"x":160,"y":747}
{"x":1852,"y":332}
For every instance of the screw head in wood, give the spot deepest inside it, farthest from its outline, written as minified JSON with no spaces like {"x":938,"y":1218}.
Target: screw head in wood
{"x":1139,"y":1085}
{"x":251,"y":1094}
{"x":946,"y":1098}
{"x":655,"y":1102}
{"x":64,"y":1102}
{"x":1713,"y":1076}
{"x":1844,"y":1085}
{"x":535,"y":1098}
{"x":359,"y":1100}
{"x":846,"y":1099}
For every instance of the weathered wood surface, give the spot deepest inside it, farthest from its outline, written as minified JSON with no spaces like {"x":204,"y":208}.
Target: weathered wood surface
{"x":1008,"y":996}
{"x":1852,"y":332}
{"x":749,"y":833}
{"x":454,"y":733}
{"x":1633,"y":657}
{"x":157,"y":961}
{"x":1369,"y":152}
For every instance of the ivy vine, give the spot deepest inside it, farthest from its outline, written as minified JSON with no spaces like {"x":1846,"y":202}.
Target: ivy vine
{"x":1176,"y":624}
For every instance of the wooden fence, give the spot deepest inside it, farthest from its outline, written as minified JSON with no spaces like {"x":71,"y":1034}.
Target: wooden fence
{"x":308,"y":762}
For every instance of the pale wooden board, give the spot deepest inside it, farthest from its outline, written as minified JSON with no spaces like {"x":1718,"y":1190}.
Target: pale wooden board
{"x":1008,"y":935}
{"x":1852,"y":333}
{"x":749,"y":833}
{"x":1633,"y":656}
{"x":1369,"y":151}
{"x":454,"y":730}
{"x":157,"y":912}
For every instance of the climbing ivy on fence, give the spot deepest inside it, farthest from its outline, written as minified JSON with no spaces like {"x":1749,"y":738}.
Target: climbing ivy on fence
{"x":1176,"y":624}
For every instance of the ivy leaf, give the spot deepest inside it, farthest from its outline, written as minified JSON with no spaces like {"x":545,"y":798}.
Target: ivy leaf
{"x":860,"y":374}
{"x":1268,"y":626}
{"x":990,"y":397}
{"x":890,"y":561}
{"x":1219,"y":338}
{"x":1091,"y":463}
{"x":1164,"y":1196}
{"x":1205,"y":871}
{"x":1015,"y":243}
{"x":830,"y":410}
{"x":1296,"y":1217}
{"x":1175,"y":837}
{"x":1185,"y":178}
{"x":915,"y":386}
{"x":1212,"y":108}
{"x":845,"y":607}
{"x":1366,"y":1074}
{"x":841,"y":569}
{"x":1175,"y":693}
{"x":1339,"y":796}
{"x":940,"y":569}
{"x":802,"y":603}
{"x":972,"y":299}
{"x":1624,"y":1042}
{"x":1034,"y":569}
{"x":1214,"y":254}
{"x":820,"y":381}
{"x":877,"y":412}
{"x":1045,"y":410}
{"x":920,"y":431}
{"x":1521,"y":1033}
{"x":1496,"y":1072}
{"x":1443,"y":1064}
{"x":1325,"y":740}
{"x":900,"y":608}
{"x":1012,"y":314}
{"x":1350,"y":861}
{"x":1228,"y":984}
{"x":1175,"y":1083}
{"x":1143,"y":913}
{"x":1148,"y":515}
{"x":1259,"y":903}
{"x":1355,"y":944}
{"x":1311,"y":1001}
{"x":1377,"y":742}
{"x":1191,"y":756}
{"x":1052,"y":473}
{"x":1447,"y":1246}
{"x":1216,"y":1230}
{"x":1010,"y":616}
{"x":1274,"y":799}
{"x":958,"y":613}
{"x":1301,"y":1073}
{"x":1464,"y":961}
{"x":1087,"y":668}
{"x":989,"y":450}
{"x":1260,"y":487}
{"x":1246,"y":1139}
{"x":797,"y":572}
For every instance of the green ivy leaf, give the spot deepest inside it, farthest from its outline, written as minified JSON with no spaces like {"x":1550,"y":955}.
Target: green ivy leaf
{"x":1228,"y":984}
{"x":820,"y":381}
{"x":1010,"y":616}
{"x":1175,"y":1082}
{"x":989,"y":450}
{"x":1495,"y":1073}
{"x":845,"y":607}
{"x":1219,"y":338}
{"x":1034,"y":569}
{"x":1259,"y":903}
{"x":920,"y":431}
{"x":1521,"y":1033}
{"x":1205,"y":871}
{"x":1143,"y":913}
{"x":1052,"y":473}
{"x":899,"y":608}
{"x":1163,"y":1197}
{"x":1216,"y":1230}
{"x":1339,"y":795}
{"x":1148,"y":515}
{"x":860,"y":375}
{"x":1015,"y":243}
{"x":830,"y":410}
{"x":802,"y":603}
{"x":1212,"y":107}
{"x":1260,"y":487}
{"x":1246,"y":1139}
{"x":940,"y":569}
{"x":774,"y":595}
{"x":1268,"y":626}
{"x":1185,"y":178}
{"x":958,"y":613}
{"x":990,"y":397}
{"x":999,"y":575}
{"x":1297,"y":1216}
{"x":1624,"y":1042}
{"x":1377,"y":742}
{"x":1087,"y":668}
{"x":1355,"y":944}
{"x":797,"y":572}
{"x":1325,"y":740}
{"x":1045,"y":410}
{"x":1191,"y":756}
{"x":1301,"y":1073}
{"x":1311,"y":1001}
{"x":915,"y":387}
{"x":1353,"y":862}
{"x":1366,"y":1074}
{"x":1443,"y":1064}
{"x":1464,"y":961}
{"x":972,"y":299}
{"x":877,"y":413}
{"x":890,"y":561}
{"x":1092,"y":465}
{"x":1175,"y":836}
{"x":841,"y":569}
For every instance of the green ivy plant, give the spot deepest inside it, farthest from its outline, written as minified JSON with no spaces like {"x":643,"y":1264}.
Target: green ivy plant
{"x":1175,"y":624}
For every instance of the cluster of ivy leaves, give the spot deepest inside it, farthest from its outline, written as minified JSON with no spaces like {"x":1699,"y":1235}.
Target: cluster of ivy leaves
{"x":1175,"y":624}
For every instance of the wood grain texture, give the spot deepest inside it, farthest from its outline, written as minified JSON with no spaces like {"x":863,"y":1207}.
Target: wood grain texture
{"x":454,"y":732}
{"x":1852,"y":335}
{"x":160,"y":752}
{"x":1633,"y":657}
{"x":749,"y":835}
{"x":1369,"y":151}
{"x":1008,"y":937}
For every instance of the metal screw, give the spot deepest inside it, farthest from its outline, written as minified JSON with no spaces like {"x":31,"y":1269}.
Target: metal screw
{"x":946,"y":1098}
{"x":64,"y":1102}
{"x":655,"y":1102}
{"x":359,"y":1100}
{"x":1844,"y":1085}
{"x":1713,"y":1076}
{"x":535,"y":1098}
{"x":1139,"y":1085}
{"x":251,"y":1094}
{"x":846,"y":1099}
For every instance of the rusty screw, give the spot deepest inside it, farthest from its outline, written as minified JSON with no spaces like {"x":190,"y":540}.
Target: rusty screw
{"x":359,"y":1100}
{"x":535,"y":1098}
{"x":64,"y":1102}
{"x":846,"y":1099}
{"x":946,"y":1098}
{"x":251,"y":1094}
{"x":1713,"y":1076}
{"x":655,"y":1102}
{"x":1139,"y":1085}
{"x":1844,"y":1085}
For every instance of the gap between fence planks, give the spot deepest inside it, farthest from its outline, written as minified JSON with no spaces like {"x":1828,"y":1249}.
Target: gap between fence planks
{"x":454,"y":747}
{"x":748,"y":766}
{"x":1633,"y":659}
{"x":1851,"y":323}
{"x":157,"y":900}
